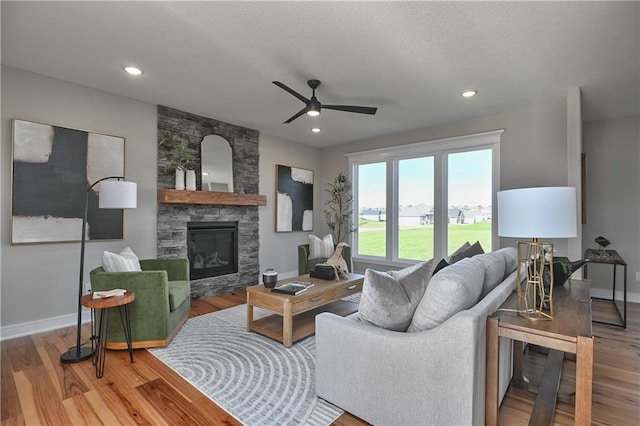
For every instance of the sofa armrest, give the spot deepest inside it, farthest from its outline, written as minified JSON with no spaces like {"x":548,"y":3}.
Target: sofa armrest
{"x":303,"y":256}
{"x":177,"y":268}
{"x":410,"y":378}
{"x":151,"y":287}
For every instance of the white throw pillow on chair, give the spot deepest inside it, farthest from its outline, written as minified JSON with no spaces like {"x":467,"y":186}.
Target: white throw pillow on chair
{"x":320,"y":248}
{"x":126,"y":261}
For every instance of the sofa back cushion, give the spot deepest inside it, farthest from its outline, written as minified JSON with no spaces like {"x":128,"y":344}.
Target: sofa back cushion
{"x":494,"y":266}
{"x":453,"y":289}
{"x":389,"y":299}
{"x":510,"y":255}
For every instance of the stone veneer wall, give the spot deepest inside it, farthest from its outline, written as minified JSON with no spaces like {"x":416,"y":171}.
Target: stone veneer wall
{"x":173,"y":218}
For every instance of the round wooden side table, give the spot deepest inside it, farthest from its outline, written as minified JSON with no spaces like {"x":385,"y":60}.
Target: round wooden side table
{"x":105,"y":305}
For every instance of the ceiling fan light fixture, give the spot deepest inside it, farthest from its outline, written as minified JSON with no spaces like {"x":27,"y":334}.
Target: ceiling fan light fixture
{"x":469,"y":93}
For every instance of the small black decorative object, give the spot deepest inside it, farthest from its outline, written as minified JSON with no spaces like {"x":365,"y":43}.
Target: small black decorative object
{"x":602,"y":242}
{"x":562,"y":270}
{"x":270,"y":278}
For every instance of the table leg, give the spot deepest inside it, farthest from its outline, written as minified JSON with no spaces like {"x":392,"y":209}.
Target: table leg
{"x":519,"y":379}
{"x":287,"y":324}
{"x":624,"y":307}
{"x":249,"y":314}
{"x":584,"y":380}
{"x":101,"y":350}
{"x":493,"y":360}
{"x":126,"y":327}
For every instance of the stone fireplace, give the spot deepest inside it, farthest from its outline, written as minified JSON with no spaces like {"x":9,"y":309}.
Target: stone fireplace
{"x":179,"y":221}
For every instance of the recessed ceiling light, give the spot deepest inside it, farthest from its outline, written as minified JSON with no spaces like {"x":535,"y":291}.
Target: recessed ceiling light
{"x":133,"y":70}
{"x":205,"y":174}
{"x":316,"y":130}
{"x":469,"y":93}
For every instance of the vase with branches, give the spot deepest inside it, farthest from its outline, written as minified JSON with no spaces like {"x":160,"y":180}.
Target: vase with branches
{"x":339,"y":208}
{"x":180,"y":159}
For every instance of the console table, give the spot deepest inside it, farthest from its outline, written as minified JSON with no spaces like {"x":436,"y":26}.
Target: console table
{"x":609,"y":257}
{"x":569,"y":331}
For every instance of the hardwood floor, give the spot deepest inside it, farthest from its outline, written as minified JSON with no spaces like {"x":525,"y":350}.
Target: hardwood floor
{"x":38,"y":389}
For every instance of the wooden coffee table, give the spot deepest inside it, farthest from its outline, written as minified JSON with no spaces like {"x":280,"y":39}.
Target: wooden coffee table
{"x":294,"y":316}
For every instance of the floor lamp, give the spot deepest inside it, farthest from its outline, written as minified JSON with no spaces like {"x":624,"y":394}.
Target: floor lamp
{"x":548,"y":212}
{"x":113,"y":194}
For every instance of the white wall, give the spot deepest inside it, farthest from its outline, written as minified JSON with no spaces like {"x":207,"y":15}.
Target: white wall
{"x":40,"y":281}
{"x":533,"y":151}
{"x":612,"y":148}
{"x":279,"y":250}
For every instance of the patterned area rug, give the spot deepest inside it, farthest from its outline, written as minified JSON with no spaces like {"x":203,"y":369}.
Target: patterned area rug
{"x":255,"y":379}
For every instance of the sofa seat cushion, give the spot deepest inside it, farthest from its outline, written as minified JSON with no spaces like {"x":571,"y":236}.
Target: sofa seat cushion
{"x":390,"y":298}
{"x":179,"y":291}
{"x":453,"y":289}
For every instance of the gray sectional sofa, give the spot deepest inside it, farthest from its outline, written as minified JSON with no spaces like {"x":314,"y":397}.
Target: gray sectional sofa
{"x":433,"y":373}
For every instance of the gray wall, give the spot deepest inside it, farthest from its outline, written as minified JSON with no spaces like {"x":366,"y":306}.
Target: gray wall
{"x":40,"y":281}
{"x":613,"y":196}
{"x":533,"y":151}
{"x":278,"y":250}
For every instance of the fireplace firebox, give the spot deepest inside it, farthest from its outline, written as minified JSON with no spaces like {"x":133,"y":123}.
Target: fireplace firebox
{"x":212,"y":248}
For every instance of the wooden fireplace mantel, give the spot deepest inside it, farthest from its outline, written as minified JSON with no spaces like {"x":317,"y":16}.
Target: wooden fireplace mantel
{"x":173,"y":196}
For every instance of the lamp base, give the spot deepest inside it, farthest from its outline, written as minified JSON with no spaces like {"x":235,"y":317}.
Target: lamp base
{"x":535,"y":300}
{"x":73,"y":356}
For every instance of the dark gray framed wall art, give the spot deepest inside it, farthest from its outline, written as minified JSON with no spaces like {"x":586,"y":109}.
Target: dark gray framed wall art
{"x":52,"y":169}
{"x":294,"y":199}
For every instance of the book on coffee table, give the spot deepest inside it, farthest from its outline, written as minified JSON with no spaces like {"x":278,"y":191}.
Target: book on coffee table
{"x":295,"y":287}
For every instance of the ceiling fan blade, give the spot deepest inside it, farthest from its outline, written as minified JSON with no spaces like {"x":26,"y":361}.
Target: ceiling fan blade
{"x":298,"y":114}
{"x":352,"y":108}
{"x":290,"y":90}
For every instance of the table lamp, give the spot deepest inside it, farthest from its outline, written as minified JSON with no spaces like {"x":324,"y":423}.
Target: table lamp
{"x":113,"y":194}
{"x":546,"y":212}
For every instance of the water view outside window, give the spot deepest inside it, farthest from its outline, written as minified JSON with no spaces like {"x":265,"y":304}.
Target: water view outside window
{"x":469,"y":195}
{"x":372,"y":210}
{"x":415,"y":208}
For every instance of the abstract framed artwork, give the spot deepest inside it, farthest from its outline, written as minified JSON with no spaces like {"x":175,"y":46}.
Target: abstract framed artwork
{"x":294,"y":199}
{"x":52,"y":168}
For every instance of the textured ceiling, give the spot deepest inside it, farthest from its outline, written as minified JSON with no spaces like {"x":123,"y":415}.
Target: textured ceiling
{"x":410,"y":59}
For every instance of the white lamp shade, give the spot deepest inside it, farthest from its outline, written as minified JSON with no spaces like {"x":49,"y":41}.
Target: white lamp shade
{"x":118,"y":194}
{"x":548,"y":212}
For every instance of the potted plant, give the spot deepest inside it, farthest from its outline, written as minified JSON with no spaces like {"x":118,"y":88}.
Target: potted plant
{"x":179,"y":159}
{"x":339,"y":209}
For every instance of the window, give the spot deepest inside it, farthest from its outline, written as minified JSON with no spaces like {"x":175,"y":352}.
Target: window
{"x":422,"y":201}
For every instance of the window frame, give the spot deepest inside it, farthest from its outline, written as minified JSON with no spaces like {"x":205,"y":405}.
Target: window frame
{"x":439,"y":149}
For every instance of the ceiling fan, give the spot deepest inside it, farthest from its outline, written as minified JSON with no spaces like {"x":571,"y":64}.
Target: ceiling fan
{"x":313,"y":106}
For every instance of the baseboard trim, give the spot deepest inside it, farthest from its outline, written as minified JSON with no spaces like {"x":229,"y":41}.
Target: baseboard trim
{"x":39,"y":326}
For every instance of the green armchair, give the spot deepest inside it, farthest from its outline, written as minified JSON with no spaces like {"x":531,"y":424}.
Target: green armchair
{"x":161,"y":306}
{"x":305,"y":265}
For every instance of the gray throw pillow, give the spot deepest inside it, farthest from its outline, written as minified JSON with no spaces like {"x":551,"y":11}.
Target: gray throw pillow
{"x":493,"y":271}
{"x":459,"y":250}
{"x":389,"y":299}
{"x":453,"y":289}
{"x":470,"y":251}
